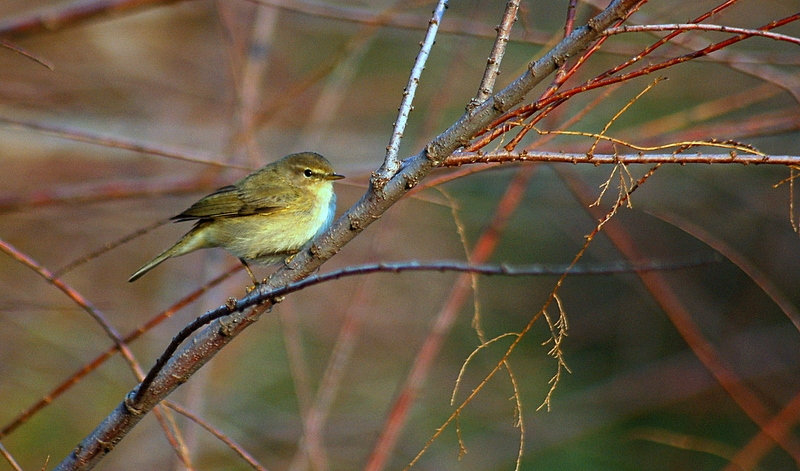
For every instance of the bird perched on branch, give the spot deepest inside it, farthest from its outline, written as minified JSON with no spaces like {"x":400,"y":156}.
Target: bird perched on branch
{"x":264,"y":217}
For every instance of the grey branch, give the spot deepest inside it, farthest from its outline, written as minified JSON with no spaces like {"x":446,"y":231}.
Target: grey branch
{"x":391,"y":163}
{"x":498,"y":51}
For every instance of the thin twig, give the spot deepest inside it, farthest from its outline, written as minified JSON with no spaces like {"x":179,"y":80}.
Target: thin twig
{"x":443,"y":322}
{"x":391,"y":163}
{"x":173,"y":435}
{"x":702,"y":27}
{"x":359,"y":308}
{"x":9,"y":458}
{"x":24,"y":52}
{"x":522,"y":333}
{"x":740,"y":260}
{"x":545,"y":102}
{"x":104,"y":192}
{"x":108,"y":247}
{"x":464,"y":158}
{"x":548,"y":102}
{"x":735,"y":60}
{"x":409,"y":21}
{"x":501,"y":269}
{"x":619,"y":113}
{"x":498,"y":50}
{"x":75,"y":296}
{"x":237,"y":448}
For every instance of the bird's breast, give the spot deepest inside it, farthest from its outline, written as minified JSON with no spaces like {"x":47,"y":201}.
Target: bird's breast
{"x":268,"y":238}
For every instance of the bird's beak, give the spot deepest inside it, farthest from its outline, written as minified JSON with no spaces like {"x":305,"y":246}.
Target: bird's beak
{"x":334,"y":176}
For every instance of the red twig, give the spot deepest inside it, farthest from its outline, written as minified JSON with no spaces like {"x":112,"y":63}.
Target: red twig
{"x":548,"y":102}
{"x":463,"y":158}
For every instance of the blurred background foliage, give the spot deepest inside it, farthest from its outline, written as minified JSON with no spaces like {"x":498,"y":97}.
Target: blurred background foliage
{"x":241,"y":84}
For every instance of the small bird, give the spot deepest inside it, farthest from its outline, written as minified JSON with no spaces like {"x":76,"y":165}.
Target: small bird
{"x":264,"y":217}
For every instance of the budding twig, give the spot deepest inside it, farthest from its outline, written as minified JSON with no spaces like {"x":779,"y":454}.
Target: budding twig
{"x":391,"y":163}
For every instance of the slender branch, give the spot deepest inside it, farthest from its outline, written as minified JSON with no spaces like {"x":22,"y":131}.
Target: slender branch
{"x":672,"y":35}
{"x":738,"y":60}
{"x":498,"y":51}
{"x":103,"y":192}
{"x":518,"y":336}
{"x":391,"y":163}
{"x":237,"y":448}
{"x":548,"y":102}
{"x":24,"y":52}
{"x":108,"y":247}
{"x":502,"y":269}
{"x":734,"y":256}
{"x":702,"y":27}
{"x":471,"y":123}
{"x":172,"y":434}
{"x":409,"y":21}
{"x":463,"y":158}
{"x":260,"y":296}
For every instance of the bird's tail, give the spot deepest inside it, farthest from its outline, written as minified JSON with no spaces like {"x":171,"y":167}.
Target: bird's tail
{"x":193,"y":240}
{"x":152,"y":263}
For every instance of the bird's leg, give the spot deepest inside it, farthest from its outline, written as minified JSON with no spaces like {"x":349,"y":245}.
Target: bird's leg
{"x":249,"y":272}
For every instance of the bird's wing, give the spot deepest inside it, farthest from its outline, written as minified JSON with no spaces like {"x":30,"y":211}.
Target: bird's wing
{"x":231,"y":201}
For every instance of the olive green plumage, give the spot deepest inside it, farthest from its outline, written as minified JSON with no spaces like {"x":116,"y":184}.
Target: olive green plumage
{"x":264,"y":217}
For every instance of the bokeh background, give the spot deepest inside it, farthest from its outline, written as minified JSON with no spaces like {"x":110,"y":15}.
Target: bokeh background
{"x":87,"y":151}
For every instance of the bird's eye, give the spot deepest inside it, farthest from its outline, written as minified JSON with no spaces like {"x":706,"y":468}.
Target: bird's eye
{"x":307,"y":172}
